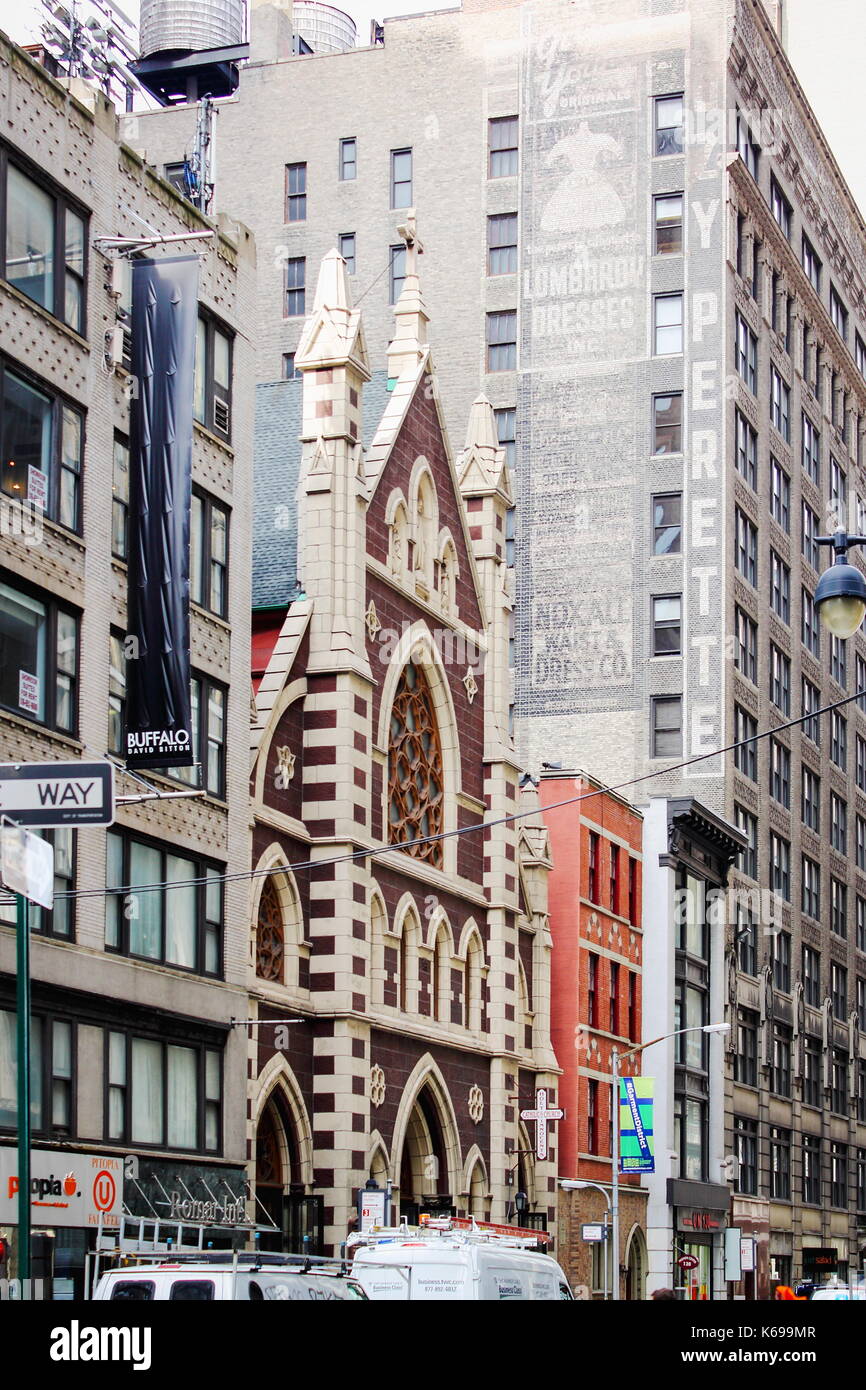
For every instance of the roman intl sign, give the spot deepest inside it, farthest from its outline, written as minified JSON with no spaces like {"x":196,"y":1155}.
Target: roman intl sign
{"x":55,"y":794}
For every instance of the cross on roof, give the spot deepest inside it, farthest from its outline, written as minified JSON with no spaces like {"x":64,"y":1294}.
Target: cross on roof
{"x":414,"y":246}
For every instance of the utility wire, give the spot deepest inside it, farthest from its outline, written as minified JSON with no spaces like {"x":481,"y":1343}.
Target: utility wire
{"x":373,"y":850}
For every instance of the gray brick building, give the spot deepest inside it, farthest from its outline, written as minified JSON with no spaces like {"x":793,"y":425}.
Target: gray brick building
{"x":642,"y":247}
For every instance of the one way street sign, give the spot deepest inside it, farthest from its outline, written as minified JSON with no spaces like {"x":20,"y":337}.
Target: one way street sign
{"x":54,"y":794}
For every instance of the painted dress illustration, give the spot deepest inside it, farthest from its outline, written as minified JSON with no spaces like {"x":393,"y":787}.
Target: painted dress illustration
{"x":585,"y":199}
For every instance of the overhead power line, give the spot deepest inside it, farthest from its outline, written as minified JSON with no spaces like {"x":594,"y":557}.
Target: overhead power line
{"x":310,"y":865}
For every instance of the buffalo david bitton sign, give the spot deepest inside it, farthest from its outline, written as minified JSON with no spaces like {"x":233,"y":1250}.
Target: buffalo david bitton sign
{"x":164,"y":318}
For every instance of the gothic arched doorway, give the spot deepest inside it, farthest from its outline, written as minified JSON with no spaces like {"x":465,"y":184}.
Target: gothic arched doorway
{"x":424,"y":1165}
{"x":636,"y":1264}
{"x":296,"y":1217}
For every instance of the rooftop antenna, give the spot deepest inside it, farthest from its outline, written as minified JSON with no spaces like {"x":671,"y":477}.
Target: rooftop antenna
{"x":93,"y":39}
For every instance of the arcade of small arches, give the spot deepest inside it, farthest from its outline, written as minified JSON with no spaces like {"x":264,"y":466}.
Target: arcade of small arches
{"x":420,"y":552}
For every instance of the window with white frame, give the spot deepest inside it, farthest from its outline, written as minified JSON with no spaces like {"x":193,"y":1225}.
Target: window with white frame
{"x":780,"y":680}
{"x":812,"y":720}
{"x":746,"y":354}
{"x":780,"y":587}
{"x":747,"y":451}
{"x":668,"y":123}
{"x":780,"y":404}
{"x":810,"y":799}
{"x":781,"y":208}
{"x":780,"y":495}
{"x":667,"y":324}
{"x":746,"y":648}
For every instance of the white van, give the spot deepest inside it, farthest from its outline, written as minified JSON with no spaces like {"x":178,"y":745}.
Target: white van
{"x":204,"y":1281}
{"x":449,"y":1266}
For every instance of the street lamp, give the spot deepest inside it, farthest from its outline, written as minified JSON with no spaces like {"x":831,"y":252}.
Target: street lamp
{"x":577,"y":1185}
{"x":615,"y":1061}
{"x":840,"y":597}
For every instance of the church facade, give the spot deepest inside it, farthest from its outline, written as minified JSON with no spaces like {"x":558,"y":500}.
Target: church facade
{"x":400,"y":1001}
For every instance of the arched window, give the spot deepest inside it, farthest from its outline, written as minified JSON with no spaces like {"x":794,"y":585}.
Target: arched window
{"x":474,"y":962}
{"x":426,"y":527}
{"x":404,"y":966}
{"x":415,"y":768}
{"x":442,"y":977}
{"x":410,"y":934}
{"x":447,"y":578}
{"x":379,"y":951}
{"x":270,"y":935}
{"x":398,"y":541}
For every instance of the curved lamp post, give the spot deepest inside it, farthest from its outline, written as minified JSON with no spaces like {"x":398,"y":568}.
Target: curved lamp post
{"x":577,"y":1185}
{"x":840,"y":597}
{"x":616,"y":1058}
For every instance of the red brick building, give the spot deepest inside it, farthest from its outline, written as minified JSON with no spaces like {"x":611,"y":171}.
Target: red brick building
{"x":596,"y":983}
{"x":421,"y":974}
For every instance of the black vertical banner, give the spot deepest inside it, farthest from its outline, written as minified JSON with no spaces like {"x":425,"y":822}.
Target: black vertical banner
{"x":164,"y":317}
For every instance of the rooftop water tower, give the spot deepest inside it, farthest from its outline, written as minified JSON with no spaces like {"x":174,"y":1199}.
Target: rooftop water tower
{"x":324,"y":28}
{"x":190,"y":48}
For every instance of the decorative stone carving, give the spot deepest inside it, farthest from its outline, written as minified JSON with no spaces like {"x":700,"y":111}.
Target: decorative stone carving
{"x":476,"y":1105}
{"x":285,"y":767}
{"x":371,"y":618}
{"x":471,"y":684}
{"x":377,"y":1086}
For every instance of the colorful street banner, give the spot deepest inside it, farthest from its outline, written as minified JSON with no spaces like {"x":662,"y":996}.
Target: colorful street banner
{"x":164,"y":318}
{"x":636,"y":1150}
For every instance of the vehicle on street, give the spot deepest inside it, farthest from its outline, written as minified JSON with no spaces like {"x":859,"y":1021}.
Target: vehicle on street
{"x":839,"y":1293}
{"x":441,"y":1263}
{"x":247,"y":1278}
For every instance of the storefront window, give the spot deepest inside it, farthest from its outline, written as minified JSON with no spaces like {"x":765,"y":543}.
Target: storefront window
{"x":696,"y":1284}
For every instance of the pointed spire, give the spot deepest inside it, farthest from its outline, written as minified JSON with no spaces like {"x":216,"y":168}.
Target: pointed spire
{"x":332,"y":335}
{"x":481,"y":466}
{"x":332,"y":290}
{"x":409,"y":344}
{"x":481,"y":431}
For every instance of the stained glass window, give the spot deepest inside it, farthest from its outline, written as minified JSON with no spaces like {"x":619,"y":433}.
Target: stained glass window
{"x":415,"y":768}
{"x":270,"y":936}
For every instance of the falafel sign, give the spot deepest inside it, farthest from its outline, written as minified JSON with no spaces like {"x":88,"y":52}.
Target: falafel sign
{"x":66,"y":1189}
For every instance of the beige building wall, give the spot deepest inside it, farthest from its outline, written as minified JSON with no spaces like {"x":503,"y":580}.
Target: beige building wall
{"x":70,"y":135}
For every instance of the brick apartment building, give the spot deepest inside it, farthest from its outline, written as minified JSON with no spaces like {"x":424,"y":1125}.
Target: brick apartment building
{"x":596,"y":995}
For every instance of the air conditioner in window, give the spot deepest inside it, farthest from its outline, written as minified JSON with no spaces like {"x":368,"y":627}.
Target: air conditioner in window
{"x":221,"y":415}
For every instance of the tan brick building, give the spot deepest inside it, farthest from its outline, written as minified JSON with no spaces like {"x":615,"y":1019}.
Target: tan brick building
{"x":133,"y":993}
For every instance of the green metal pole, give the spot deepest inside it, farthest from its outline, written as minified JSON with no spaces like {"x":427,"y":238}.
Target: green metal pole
{"x":23,"y":1036}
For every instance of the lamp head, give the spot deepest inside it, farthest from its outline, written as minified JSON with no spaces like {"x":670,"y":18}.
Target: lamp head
{"x":840,"y":597}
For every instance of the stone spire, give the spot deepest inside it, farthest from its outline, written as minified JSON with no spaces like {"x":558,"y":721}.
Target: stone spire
{"x":409,"y":344}
{"x":332,"y":335}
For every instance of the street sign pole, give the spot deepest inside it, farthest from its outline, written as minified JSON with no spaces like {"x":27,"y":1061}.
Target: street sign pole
{"x":23,"y":1041}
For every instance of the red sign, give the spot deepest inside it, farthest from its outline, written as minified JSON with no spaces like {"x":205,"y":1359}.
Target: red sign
{"x":462,"y":1223}
{"x":700,"y":1221}
{"x":104,"y":1191}
{"x":688,"y":1262}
